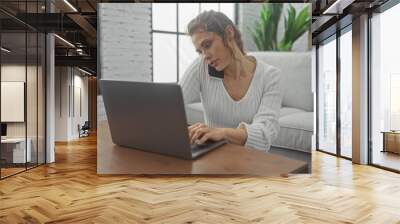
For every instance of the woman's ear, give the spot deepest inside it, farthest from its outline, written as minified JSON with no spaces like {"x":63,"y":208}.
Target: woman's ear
{"x":229,"y":33}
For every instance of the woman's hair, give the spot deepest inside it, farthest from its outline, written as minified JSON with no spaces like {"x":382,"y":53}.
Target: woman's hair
{"x":212,"y":21}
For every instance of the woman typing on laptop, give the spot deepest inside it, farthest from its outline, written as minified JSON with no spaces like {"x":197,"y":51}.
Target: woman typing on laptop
{"x":240,"y":94}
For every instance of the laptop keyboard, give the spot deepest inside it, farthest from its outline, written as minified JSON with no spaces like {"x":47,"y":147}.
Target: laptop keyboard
{"x":200,"y":146}
{"x":204,"y":145}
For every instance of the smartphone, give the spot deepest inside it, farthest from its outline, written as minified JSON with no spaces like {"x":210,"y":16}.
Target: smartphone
{"x":215,"y":73}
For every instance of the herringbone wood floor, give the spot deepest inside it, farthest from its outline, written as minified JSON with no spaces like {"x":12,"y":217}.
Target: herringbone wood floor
{"x":69,"y":191}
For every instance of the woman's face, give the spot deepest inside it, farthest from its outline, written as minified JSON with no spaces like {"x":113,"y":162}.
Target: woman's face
{"x":211,"y":47}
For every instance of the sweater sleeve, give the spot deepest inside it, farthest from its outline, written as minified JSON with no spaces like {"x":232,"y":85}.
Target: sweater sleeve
{"x":265,"y":126}
{"x":190,"y":82}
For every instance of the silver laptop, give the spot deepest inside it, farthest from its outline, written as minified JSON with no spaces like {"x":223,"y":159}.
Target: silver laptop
{"x":150,"y":117}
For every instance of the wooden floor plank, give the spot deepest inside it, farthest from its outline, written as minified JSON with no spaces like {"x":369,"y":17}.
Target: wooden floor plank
{"x":69,"y":191}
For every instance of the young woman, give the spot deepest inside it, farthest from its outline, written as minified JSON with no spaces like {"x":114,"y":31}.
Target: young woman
{"x":240,"y":94}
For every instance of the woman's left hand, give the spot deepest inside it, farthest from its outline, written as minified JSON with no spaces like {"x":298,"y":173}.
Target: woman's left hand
{"x":202,"y":133}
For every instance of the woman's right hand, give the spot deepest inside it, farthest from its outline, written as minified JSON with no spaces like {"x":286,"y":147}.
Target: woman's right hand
{"x":193,"y":130}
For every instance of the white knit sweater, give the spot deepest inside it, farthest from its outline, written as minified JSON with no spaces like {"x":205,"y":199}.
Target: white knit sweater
{"x":258,"y":110}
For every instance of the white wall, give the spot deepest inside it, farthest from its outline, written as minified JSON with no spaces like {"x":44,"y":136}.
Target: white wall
{"x":249,"y":13}
{"x":79,"y":117}
{"x":67,"y":115}
{"x":12,"y":73}
{"x":62,"y":81}
{"x":124,"y":37}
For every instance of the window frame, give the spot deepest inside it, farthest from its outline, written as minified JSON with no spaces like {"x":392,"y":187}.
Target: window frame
{"x":334,"y":37}
{"x":177,"y":33}
{"x":381,"y":9}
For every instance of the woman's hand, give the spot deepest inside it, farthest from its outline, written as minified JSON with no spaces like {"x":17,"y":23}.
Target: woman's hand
{"x":199,"y":133}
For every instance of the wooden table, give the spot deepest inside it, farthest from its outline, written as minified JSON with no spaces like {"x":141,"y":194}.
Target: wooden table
{"x":391,"y":141}
{"x":228,"y":159}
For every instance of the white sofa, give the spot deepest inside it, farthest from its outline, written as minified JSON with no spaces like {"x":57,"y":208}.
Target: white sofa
{"x":296,"y":115}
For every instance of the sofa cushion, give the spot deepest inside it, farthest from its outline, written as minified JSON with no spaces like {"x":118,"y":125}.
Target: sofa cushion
{"x":289,"y":110}
{"x":296,"y":130}
{"x":295,"y":76}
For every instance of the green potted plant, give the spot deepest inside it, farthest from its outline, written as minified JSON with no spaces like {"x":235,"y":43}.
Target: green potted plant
{"x":265,"y":32}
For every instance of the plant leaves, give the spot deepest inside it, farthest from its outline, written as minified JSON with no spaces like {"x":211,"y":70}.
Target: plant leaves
{"x":265,"y":30}
{"x":295,"y":27}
